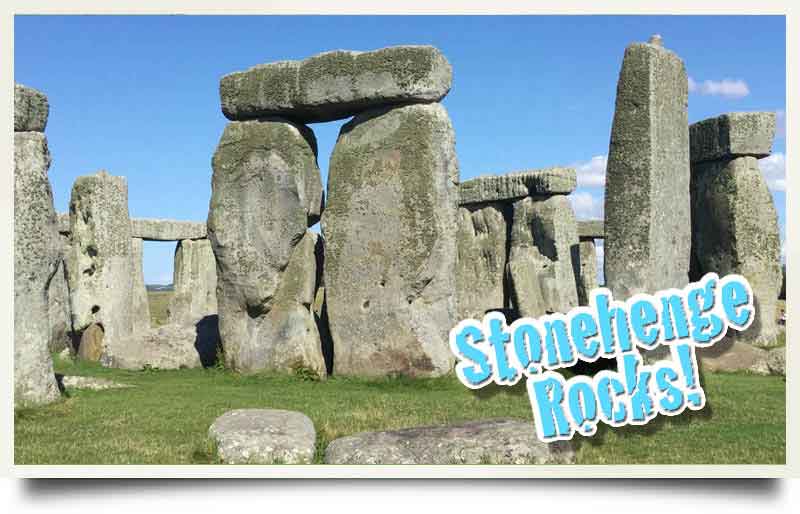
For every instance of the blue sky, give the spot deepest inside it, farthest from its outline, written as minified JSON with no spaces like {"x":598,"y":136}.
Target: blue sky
{"x":138,"y":95}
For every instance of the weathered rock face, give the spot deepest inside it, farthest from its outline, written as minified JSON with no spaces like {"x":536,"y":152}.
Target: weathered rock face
{"x":502,"y":441}
{"x":264,"y":197}
{"x":58,"y":304}
{"x":140,"y":308}
{"x":482,"y":245}
{"x":30,"y":109}
{"x":36,"y":257}
{"x":195,"y":282}
{"x":776,"y":361}
{"x":734,"y":221}
{"x":170,"y":346}
{"x":732,"y":355}
{"x":336,"y":85}
{"x":548,"y":181}
{"x":264,"y":436}
{"x":390,"y":250}
{"x":166,"y":230}
{"x":647,"y":219}
{"x":731,"y":135}
{"x":91,"y":346}
{"x":736,"y":231}
{"x":587,"y":275}
{"x":101,"y":275}
{"x":544,"y":260}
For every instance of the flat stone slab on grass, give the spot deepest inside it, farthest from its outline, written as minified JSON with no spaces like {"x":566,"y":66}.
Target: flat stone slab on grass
{"x":336,"y":85}
{"x":264,"y":436}
{"x":499,"y":441}
{"x":94,"y":383}
{"x":519,"y":184}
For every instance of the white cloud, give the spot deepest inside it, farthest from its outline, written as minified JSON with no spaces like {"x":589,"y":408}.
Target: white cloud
{"x":726,"y":88}
{"x":591,"y":173}
{"x":774,"y":170}
{"x":600,"y":249}
{"x":586,"y":205}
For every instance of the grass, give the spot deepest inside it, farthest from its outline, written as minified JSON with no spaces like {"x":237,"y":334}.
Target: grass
{"x":159,"y":301}
{"x":165,"y":418}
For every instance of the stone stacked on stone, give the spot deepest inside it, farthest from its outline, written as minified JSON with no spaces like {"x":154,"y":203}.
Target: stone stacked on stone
{"x":336,"y":85}
{"x":492,"y":208}
{"x":31,"y":109}
{"x":734,"y":221}
{"x":647,"y":207}
{"x":390,"y":251}
{"x":101,"y":274}
{"x":267,"y":191}
{"x":36,"y":252}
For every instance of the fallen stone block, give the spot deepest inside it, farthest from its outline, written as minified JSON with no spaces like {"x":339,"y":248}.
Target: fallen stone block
{"x":516,"y":185}
{"x":732,"y":135}
{"x":732,"y":355}
{"x":776,"y":361}
{"x":501,"y":441}
{"x":30,"y":109}
{"x":91,"y":383}
{"x":336,"y":85}
{"x":264,"y":436}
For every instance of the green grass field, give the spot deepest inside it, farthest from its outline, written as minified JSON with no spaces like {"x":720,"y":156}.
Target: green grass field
{"x":165,"y":418}
{"x":159,"y":301}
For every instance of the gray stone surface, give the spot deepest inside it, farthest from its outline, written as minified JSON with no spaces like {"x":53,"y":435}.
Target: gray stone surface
{"x":482,"y":245}
{"x":264,"y":436}
{"x":140,"y":306}
{"x":194,"y":281}
{"x":30,"y":109}
{"x":336,"y":85}
{"x":589,"y":230}
{"x":543,"y":261}
{"x":390,"y":249}
{"x":101,"y":274}
{"x":167,"y":230}
{"x":58,"y":303}
{"x":518,"y":184}
{"x":776,"y":361}
{"x":587,"y":272}
{"x":260,"y":209}
{"x":36,"y":257}
{"x":735,"y":230}
{"x":647,"y":220}
{"x":169,"y":346}
{"x":733,"y":355}
{"x":500,"y":441}
{"x":735,"y":134}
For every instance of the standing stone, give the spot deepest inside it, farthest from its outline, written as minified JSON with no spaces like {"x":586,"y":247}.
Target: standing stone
{"x":390,"y":250}
{"x":482,"y":245}
{"x":194,"y":281}
{"x":647,"y":208}
{"x":101,"y":277}
{"x":543,"y":261}
{"x":734,"y":221}
{"x":140,"y":308}
{"x":58,"y":303}
{"x":36,"y":257}
{"x":264,"y":197}
{"x":587,"y":274}
{"x":30,"y":109}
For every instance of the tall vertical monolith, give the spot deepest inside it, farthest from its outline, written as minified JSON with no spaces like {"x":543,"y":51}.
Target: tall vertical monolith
{"x":647,"y":207}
